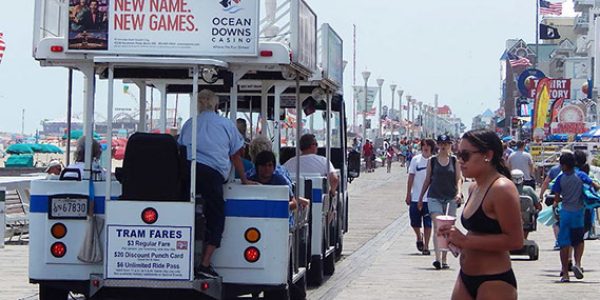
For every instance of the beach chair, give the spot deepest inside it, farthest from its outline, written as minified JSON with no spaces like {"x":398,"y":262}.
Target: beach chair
{"x":16,"y":216}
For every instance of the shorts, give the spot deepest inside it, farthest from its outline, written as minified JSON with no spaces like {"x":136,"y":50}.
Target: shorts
{"x":570,"y":231}
{"x":438,"y":206}
{"x":419,"y":217}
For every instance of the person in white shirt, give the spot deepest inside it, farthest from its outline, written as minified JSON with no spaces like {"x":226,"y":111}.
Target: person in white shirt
{"x":310,"y":162}
{"x":417,"y":171}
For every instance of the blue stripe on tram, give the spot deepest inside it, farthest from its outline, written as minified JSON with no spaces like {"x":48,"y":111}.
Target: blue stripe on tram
{"x":257,"y":209}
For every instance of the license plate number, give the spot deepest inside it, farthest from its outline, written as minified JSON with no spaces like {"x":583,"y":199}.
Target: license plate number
{"x":69,"y":207}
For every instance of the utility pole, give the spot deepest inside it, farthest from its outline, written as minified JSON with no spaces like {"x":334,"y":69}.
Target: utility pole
{"x":354,"y":101}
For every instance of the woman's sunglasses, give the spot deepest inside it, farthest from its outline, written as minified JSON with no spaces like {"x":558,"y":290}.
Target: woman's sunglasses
{"x":465,"y":155}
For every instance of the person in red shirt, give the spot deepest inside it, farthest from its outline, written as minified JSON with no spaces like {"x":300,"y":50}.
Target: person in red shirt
{"x":368,"y":155}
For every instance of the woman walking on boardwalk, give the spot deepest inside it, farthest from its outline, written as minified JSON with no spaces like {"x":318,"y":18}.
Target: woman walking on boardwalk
{"x":492,"y":217}
{"x":443,"y":186}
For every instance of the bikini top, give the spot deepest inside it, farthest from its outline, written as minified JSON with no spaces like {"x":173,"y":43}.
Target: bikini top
{"x":479,"y":221}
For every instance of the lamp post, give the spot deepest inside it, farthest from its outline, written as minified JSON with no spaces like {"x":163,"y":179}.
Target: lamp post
{"x":380,"y":109}
{"x":365,"y":75}
{"x":400,"y":93}
{"x":421,"y":116}
{"x":435,"y":117}
{"x":390,"y":112}
{"x":408,"y":121}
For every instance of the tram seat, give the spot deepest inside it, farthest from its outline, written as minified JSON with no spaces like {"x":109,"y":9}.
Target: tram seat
{"x":153,"y":169}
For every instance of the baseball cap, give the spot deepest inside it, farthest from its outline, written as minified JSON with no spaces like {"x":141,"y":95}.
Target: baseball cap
{"x":517,"y":176}
{"x":443,"y":139}
{"x":52,"y":163}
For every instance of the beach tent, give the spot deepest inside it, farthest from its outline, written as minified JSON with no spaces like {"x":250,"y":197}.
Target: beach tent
{"x":19,"y":149}
{"x":76,"y":134}
{"x":19,"y":161}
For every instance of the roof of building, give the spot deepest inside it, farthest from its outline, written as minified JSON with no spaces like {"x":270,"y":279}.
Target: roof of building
{"x":444,"y":110}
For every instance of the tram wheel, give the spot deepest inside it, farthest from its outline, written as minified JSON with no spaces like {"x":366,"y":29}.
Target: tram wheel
{"x":52,"y":293}
{"x":329,"y":264}
{"x":315,"y":272}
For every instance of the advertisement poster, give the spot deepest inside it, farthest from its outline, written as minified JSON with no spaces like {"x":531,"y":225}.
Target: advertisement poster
{"x":304,"y":35}
{"x":148,"y":252}
{"x":333,"y":59}
{"x":165,"y":27}
{"x":88,"y":24}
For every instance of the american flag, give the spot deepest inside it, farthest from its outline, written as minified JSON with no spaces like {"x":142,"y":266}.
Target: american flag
{"x":550,"y":8}
{"x":516,"y":61}
{"x":2,"y":46}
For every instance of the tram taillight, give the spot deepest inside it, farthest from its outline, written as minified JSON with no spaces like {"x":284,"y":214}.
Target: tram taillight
{"x":149,"y":215}
{"x":252,"y":254}
{"x":58,"y":230}
{"x":58,"y":249}
{"x":252,"y":235}
{"x":56,"y":49}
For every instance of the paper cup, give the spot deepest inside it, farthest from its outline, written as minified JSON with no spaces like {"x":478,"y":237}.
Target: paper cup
{"x":442,"y":241}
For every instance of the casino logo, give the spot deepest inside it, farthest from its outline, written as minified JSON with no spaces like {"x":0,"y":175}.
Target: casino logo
{"x":231,"y":6}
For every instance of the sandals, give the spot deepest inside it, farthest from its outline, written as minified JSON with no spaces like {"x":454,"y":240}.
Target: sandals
{"x":420,"y":245}
{"x":577,"y":271}
{"x":445,"y":266}
{"x":564,"y":279}
{"x":426,"y":252}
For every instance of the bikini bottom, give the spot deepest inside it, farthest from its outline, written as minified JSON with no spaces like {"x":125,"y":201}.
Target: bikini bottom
{"x":472,"y":283}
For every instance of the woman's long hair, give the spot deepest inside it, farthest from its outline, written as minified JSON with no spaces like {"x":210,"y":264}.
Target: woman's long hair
{"x":486,"y":140}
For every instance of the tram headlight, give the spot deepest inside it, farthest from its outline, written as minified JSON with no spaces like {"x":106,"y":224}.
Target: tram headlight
{"x":252,"y":254}
{"x":252,"y":235}
{"x":58,"y":249}
{"x":58,"y":230}
{"x":149,"y":215}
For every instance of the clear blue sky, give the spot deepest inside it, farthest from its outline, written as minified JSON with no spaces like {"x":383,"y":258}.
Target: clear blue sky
{"x":447,"y":47}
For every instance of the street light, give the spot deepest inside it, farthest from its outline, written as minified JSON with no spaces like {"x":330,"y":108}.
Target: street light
{"x":380,"y":109}
{"x":400,"y":93}
{"x":365,"y":75}
{"x":390,"y":112}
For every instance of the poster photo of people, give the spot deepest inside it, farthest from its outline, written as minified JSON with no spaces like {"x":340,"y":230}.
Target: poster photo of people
{"x":88,"y":24}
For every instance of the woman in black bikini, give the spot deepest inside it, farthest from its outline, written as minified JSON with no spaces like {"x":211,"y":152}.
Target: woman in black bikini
{"x":493,"y":219}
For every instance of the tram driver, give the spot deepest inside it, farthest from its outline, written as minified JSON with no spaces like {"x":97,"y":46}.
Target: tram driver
{"x":311,"y":162}
{"x":219,"y":146}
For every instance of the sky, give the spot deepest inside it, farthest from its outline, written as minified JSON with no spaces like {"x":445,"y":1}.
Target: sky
{"x":450,"y":48}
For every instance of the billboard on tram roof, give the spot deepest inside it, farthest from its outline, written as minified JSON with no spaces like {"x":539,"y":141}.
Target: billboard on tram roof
{"x":333,"y":58}
{"x":304,"y":35}
{"x":159,"y":27}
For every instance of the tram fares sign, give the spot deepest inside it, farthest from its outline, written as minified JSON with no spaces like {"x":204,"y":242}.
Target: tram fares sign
{"x":148,"y":252}
{"x":165,"y":27}
{"x":559,"y":88}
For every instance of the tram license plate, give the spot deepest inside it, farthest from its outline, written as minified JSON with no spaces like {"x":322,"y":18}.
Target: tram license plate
{"x":68,"y":207}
